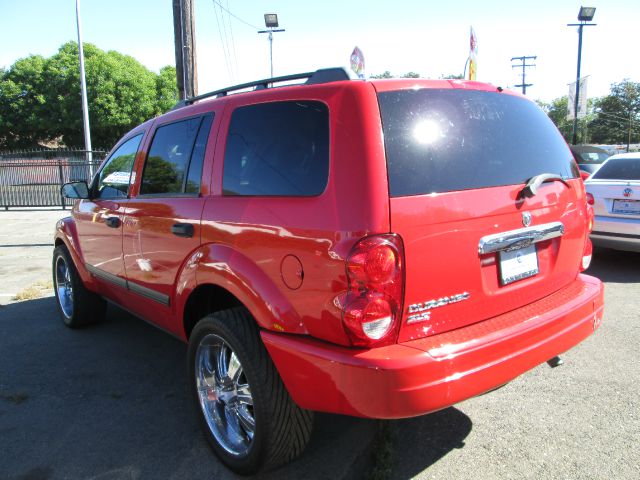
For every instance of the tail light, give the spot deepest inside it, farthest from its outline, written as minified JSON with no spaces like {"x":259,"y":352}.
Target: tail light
{"x":588,"y":246}
{"x":373,"y":306}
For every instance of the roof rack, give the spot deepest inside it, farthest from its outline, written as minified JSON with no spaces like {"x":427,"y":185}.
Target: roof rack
{"x":323,"y":75}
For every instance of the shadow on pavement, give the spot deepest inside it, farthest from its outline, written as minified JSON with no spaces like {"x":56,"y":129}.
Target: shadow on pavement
{"x":615,"y":266}
{"x":111,"y":401}
{"x":422,"y":441}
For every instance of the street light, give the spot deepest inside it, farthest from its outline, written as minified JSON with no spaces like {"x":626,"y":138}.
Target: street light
{"x":271,"y":22}
{"x":584,"y":15}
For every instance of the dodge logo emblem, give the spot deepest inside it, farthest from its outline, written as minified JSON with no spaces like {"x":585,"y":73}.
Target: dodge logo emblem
{"x":526,"y":219}
{"x":627,"y":192}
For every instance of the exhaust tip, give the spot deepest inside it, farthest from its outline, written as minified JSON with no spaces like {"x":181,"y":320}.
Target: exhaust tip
{"x":555,"y":362}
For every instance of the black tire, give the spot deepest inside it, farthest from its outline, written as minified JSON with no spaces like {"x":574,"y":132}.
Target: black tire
{"x":77,"y":305}
{"x":281,"y":429}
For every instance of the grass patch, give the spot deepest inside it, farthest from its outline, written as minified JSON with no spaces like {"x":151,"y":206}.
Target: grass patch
{"x":37,"y":290}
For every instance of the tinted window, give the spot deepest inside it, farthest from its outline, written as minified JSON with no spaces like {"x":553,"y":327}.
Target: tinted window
{"x":115,"y":176}
{"x":447,"y":140}
{"x":619,"y":169}
{"x":279,"y":148}
{"x":197,"y":157}
{"x":167,"y":169}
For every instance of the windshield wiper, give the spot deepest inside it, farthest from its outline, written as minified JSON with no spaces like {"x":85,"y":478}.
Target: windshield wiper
{"x":531,"y":188}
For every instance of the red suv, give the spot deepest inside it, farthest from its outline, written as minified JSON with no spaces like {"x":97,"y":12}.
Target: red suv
{"x":382,"y":249}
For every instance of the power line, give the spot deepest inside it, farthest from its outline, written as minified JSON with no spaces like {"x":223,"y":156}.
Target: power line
{"x":233,"y":46}
{"x":222,"y":42}
{"x":235,"y":16}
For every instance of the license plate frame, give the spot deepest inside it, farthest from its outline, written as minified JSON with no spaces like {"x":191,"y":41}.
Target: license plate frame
{"x":626,"y":209}
{"x":518,"y":264}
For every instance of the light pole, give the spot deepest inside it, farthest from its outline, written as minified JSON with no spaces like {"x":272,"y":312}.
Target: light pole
{"x":271,"y":22}
{"x":83,"y":90}
{"x":585,"y":15}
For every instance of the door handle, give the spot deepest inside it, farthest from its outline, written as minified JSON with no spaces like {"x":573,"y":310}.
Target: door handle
{"x":182,"y":230}
{"x":113,"y":222}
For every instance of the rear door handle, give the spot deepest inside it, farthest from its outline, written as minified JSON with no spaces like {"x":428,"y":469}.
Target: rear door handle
{"x":182,"y":230}
{"x":113,"y":222}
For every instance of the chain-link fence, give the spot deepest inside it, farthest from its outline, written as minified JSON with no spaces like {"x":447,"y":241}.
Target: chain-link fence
{"x":32,"y":178}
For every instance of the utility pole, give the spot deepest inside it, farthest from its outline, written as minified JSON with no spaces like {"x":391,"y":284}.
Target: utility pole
{"x":184,"y":31}
{"x":524,"y":65}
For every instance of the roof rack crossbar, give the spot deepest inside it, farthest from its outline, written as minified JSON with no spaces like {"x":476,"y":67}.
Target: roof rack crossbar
{"x":313,"y":78}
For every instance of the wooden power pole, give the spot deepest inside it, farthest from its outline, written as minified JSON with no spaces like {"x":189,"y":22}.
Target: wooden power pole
{"x":185,"y":40}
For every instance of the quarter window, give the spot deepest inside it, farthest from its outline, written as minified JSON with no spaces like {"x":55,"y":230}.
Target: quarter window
{"x":174,"y":163}
{"x":114,"y":178}
{"x":277,"y":149}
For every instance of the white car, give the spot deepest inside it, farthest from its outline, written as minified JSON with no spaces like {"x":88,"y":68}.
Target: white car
{"x":615,"y":192}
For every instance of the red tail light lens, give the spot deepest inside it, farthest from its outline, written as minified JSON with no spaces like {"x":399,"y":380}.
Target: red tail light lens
{"x":373,"y":305}
{"x":588,"y":246}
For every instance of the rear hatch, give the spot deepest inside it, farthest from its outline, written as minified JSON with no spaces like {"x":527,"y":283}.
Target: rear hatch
{"x":475,"y":245}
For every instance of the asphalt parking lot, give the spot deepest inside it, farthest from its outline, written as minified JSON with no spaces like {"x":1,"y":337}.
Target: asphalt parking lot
{"x":110,"y":402}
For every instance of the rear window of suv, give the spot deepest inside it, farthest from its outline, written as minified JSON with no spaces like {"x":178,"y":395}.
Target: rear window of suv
{"x":440,"y":140}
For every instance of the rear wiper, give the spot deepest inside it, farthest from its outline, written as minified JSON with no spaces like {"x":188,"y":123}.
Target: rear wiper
{"x":531,"y":188}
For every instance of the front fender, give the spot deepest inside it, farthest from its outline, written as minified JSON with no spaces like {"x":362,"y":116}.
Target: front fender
{"x":225,"y":267}
{"x":67,"y":233}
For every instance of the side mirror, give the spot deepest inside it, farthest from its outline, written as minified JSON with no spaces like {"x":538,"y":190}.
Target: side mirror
{"x":75,"y":190}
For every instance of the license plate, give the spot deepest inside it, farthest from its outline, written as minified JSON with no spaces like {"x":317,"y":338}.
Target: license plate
{"x":626,"y":206}
{"x":518,"y":264}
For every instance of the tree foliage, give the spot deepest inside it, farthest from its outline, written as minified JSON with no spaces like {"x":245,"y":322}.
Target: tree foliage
{"x":40,"y":98}
{"x":610,"y":118}
{"x":617,"y":118}
{"x":388,"y":74}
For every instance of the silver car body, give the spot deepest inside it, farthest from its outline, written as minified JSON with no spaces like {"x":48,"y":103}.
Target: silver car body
{"x":617,"y":209}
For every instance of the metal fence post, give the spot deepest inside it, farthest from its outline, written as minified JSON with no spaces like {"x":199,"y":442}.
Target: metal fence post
{"x":64,"y":207}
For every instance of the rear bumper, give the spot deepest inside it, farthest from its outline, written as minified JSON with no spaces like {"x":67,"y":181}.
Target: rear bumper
{"x":617,"y":241}
{"x":429,"y":374}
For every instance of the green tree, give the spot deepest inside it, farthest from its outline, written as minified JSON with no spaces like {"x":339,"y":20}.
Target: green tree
{"x":617,"y":119}
{"x":558,"y":112}
{"x":388,"y":74}
{"x":40,"y":98}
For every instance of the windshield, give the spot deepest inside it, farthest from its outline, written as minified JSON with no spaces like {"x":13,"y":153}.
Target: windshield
{"x":439,"y":140}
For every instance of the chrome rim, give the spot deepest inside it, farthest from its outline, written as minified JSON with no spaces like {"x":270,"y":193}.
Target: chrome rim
{"x":224,"y":394}
{"x":64,"y":287}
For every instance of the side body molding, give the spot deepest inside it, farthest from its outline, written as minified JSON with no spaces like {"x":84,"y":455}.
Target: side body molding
{"x":225,"y":267}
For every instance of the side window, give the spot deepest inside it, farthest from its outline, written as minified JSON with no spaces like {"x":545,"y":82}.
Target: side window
{"x":114,"y":178}
{"x":277,"y":149}
{"x":174,"y":163}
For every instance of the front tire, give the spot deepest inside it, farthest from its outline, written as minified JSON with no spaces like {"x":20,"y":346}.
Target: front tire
{"x":247,"y":415}
{"x":77,"y":305}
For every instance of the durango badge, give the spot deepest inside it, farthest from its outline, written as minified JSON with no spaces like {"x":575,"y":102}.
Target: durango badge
{"x":421,"y":310}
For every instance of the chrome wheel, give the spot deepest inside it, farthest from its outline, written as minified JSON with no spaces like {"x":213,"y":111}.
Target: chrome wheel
{"x":64,"y":288}
{"x":224,"y":395}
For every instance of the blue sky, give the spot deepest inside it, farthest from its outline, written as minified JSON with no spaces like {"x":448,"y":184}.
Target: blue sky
{"x":430,"y":38}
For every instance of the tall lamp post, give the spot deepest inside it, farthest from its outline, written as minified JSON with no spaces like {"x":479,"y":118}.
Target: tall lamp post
{"x":83,"y":91}
{"x":271,"y":22}
{"x":585,"y":15}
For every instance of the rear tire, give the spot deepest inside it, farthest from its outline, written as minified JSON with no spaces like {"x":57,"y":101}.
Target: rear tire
{"x":246,"y":413}
{"x":77,"y":305}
